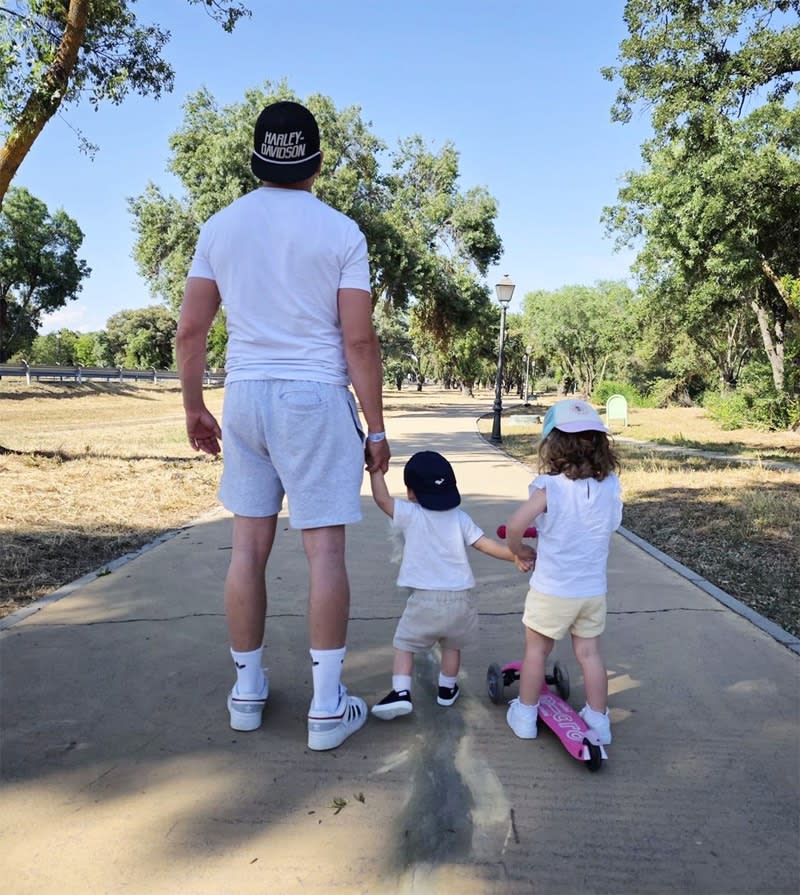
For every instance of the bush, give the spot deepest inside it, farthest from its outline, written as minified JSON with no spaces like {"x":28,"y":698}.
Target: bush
{"x":669,"y":392}
{"x":607,"y":387}
{"x":544,"y":384}
{"x":747,"y":408}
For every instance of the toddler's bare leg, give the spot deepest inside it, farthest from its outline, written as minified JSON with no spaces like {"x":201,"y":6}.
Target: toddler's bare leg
{"x":531,"y":675}
{"x":451,"y":661}
{"x":403,"y":662}
{"x":587,"y":652}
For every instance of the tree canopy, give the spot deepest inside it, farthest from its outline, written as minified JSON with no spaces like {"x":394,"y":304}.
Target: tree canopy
{"x":54,"y":52}
{"x":715,"y":210}
{"x":39,"y":266}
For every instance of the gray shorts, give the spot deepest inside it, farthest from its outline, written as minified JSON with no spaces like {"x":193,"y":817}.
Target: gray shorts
{"x":298,"y":438}
{"x":447,"y":617}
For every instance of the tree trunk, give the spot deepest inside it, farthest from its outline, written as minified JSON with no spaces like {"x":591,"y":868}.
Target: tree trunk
{"x":46,"y":98}
{"x":773,"y":336}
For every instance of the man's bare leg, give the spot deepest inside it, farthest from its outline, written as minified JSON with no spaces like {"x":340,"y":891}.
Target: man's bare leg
{"x":245,"y":609}
{"x":245,"y":583}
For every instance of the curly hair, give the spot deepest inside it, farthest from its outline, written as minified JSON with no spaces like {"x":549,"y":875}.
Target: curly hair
{"x":579,"y":455}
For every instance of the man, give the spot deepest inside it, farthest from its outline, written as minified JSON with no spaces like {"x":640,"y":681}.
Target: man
{"x":293,"y":276}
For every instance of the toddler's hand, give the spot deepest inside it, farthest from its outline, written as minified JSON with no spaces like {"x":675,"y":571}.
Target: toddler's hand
{"x":525,"y":560}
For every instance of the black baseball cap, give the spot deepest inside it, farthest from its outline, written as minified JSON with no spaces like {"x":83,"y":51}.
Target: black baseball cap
{"x":285,"y":143}
{"x":430,"y":476}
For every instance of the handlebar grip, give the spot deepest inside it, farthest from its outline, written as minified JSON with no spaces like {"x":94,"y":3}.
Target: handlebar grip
{"x":528,"y":533}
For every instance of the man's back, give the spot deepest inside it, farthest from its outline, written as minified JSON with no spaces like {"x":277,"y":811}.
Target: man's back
{"x":279,"y":257}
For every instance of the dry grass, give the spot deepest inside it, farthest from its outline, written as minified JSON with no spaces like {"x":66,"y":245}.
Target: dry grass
{"x":90,"y":473}
{"x":738,"y":525}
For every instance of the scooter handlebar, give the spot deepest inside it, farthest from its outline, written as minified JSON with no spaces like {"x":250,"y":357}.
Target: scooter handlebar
{"x":529,"y":532}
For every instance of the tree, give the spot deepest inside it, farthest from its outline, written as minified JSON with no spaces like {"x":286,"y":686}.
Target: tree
{"x":580,"y":328}
{"x":55,"y":348}
{"x":39,"y":266}
{"x":693,"y":63}
{"x":56,"y":51}
{"x":142,"y":338}
{"x":717,"y":206}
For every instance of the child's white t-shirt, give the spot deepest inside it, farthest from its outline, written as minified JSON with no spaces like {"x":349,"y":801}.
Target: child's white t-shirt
{"x":435,"y":552}
{"x":574,"y":534}
{"x":279,"y":258}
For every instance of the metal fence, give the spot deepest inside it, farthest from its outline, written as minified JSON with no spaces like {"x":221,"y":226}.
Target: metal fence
{"x":79,"y":373}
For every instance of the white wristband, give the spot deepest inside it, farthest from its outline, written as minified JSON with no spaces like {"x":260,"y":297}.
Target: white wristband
{"x":376,"y":436}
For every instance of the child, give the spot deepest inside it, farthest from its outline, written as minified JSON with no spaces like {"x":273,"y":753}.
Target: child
{"x":435,"y":566}
{"x":575,"y":505}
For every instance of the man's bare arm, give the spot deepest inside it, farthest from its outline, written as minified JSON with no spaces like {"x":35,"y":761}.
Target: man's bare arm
{"x":200,"y":304}
{"x":363,"y":355}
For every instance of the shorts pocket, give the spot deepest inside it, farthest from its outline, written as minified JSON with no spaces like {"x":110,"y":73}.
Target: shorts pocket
{"x":302,"y":398}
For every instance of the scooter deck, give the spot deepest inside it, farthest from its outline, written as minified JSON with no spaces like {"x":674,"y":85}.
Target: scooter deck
{"x":563,"y":720}
{"x":567,"y":725}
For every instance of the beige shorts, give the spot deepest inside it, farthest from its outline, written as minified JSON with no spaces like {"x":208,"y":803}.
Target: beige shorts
{"x":446,"y":617}
{"x":554,"y":616}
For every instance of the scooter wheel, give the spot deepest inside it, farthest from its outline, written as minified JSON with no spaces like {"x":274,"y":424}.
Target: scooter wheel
{"x":561,"y":680}
{"x":494,"y":683}
{"x":595,"y":761}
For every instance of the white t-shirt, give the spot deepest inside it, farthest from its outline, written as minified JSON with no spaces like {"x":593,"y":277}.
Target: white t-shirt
{"x":435,"y":552}
{"x":574,"y":535}
{"x":279,"y":258}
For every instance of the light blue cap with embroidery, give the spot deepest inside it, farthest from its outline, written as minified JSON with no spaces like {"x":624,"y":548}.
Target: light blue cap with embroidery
{"x":572,"y":415}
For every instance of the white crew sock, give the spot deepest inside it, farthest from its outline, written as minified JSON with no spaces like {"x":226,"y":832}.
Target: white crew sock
{"x":401,"y":682}
{"x":326,"y":671}
{"x":249,"y":673}
{"x":445,"y":681}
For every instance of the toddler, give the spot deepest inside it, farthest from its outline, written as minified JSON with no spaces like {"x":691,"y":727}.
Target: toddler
{"x":575,"y":504}
{"x":440,"y":608}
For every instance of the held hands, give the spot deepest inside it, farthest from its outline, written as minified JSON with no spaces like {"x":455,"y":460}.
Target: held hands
{"x":376,"y":455}
{"x":525,"y":560}
{"x":203,"y":431}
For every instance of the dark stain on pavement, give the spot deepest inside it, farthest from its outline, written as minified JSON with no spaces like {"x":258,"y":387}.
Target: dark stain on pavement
{"x":436,"y":824}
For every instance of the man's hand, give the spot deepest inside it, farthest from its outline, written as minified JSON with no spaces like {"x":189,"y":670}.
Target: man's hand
{"x":377,"y":455}
{"x":203,"y":431}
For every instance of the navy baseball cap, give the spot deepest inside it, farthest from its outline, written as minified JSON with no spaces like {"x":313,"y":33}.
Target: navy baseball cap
{"x":430,"y":476}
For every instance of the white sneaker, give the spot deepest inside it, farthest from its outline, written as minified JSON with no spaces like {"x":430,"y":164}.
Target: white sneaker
{"x":246,"y":709}
{"x":599,"y":723}
{"x":522,"y":719}
{"x":329,"y":731}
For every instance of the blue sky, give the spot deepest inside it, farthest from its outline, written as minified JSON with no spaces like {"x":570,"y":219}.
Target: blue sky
{"x":515,"y":86}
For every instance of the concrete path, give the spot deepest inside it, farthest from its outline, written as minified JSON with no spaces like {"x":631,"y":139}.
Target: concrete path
{"x":121,"y":775}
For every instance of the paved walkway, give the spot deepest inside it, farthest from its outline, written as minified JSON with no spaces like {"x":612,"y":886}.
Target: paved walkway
{"x":120,"y":774}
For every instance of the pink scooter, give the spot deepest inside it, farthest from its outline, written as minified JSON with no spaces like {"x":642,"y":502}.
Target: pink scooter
{"x":577,"y":738}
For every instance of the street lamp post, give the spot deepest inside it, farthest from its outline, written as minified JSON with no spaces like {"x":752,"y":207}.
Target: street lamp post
{"x":528,"y":350}
{"x":504,"y":290}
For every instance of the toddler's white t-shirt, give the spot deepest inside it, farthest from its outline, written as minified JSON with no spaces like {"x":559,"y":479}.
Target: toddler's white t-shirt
{"x":435,"y":552}
{"x":574,"y":534}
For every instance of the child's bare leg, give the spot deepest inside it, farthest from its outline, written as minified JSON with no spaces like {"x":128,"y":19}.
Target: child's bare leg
{"x":531,"y":675}
{"x":587,"y":652}
{"x":451,"y":661}
{"x":403,"y":662}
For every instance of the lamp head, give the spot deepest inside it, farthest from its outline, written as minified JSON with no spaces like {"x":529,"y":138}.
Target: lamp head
{"x":505,"y":290}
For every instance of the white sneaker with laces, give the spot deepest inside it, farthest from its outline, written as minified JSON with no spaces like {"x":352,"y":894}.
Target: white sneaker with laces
{"x":522,"y":719}
{"x":599,"y":723}
{"x":327,"y":731}
{"x":246,"y":709}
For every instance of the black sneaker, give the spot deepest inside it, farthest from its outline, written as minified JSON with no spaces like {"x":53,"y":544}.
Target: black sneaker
{"x":447,"y":695}
{"x":393,"y":705}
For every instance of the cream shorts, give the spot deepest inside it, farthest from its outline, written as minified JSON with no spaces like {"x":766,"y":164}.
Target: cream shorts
{"x":293,"y":437}
{"x":446,"y":617}
{"x":554,"y":616}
